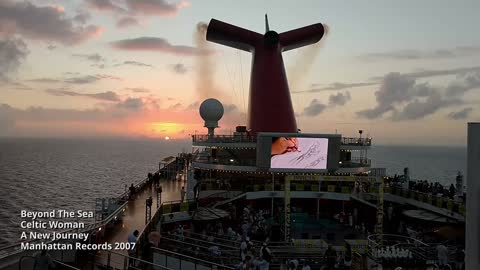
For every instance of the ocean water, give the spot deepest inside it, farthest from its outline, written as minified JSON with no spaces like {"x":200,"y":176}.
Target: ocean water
{"x":433,"y":163}
{"x":44,"y":174}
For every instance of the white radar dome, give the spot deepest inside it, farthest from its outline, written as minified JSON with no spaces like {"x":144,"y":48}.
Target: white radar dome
{"x":211,"y":110}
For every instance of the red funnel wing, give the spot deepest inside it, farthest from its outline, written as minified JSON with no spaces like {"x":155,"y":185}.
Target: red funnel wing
{"x":302,"y":36}
{"x":232,"y":36}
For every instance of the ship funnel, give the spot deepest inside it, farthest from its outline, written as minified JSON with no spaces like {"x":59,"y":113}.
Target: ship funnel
{"x":211,"y":111}
{"x":270,"y":106}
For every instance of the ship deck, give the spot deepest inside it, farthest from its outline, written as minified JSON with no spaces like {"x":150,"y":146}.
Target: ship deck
{"x":134,"y":219}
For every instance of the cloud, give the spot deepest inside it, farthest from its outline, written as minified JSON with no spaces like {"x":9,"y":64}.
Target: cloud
{"x":100,"y":66}
{"x":131,"y":104}
{"x":315,"y":108}
{"x":104,"y":5}
{"x":419,"y":109}
{"x":179,"y":68}
{"x":82,"y":17}
{"x":89,"y":79}
{"x":460,"y":115}
{"x":434,"y":73}
{"x":395,"y":88}
{"x":408,"y":100}
{"x":156,"y":44}
{"x":335,"y":87}
{"x":463,"y":85}
{"x":126,"y":22}
{"x":44,"y":80}
{"x":193,"y":106}
{"x":106,"y":96}
{"x":176,"y":106}
{"x":138,"y":90}
{"x":47,"y":23}
{"x":134,"y":63}
{"x":12,"y":53}
{"x":339,"y":99}
{"x":76,"y":79}
{"x":155,"y":7}
{"x":8,"y":84}
{"x":95,"y":57}
{"x":464,"y":51}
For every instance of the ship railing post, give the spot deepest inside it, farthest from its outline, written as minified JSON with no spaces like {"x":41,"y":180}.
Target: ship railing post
{"x":108,"y":259}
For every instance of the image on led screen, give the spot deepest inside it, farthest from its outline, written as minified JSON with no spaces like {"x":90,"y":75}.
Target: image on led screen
{"x":299,"y":153}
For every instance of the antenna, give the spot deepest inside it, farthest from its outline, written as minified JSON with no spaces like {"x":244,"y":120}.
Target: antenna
{"x":267,"y":28}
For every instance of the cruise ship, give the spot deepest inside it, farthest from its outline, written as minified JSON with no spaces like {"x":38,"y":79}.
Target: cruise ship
{"x":269,"y":196}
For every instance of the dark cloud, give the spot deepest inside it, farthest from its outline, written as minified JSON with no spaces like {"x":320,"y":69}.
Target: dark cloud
{"x":395,"y":89}
{"x":155,"y":7}
{"x":46,"y":23}
{"x":105,"y":5}
{"x":418,"y":109}
{"x":44,"y":80}
{"x":139,"y":7}
{"x":138,"y":90}
{"x":106,"y":96}
{"x":82,"y":80}
{"x":89,"y":79}
{"x":127,"y":22}
{"x":8,"y":84}
{"x":134,"y":63}
{"x":315,"y":108}
{"x":156,"y":44}
{"x":339,"y":99}
{"x":100,"y":66}
{"x":131,"y":104}
{"x":434,"y":73}
{"x":460,"y":115}
{"x":463,"y":85}
{"x":335,"y":87}
{"x":121,"y":109}
{"x":179,"y":68}
{"x":12,"y":53}
{"x":82,"y":17}
{"x":408,"y":100}
{"x":94,"y":57}
{"x":417,"y":54}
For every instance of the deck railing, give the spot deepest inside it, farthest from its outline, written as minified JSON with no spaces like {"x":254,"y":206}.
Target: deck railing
{"x":337,"y":187}
{"x":253,"y":139}
{"x":437,"y":201}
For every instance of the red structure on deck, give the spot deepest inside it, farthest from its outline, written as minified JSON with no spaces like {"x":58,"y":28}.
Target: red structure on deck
{"x":270,"y":106}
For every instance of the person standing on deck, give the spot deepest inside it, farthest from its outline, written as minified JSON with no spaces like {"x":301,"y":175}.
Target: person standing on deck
{"x":442,"y":253}
{"x":43,"y":261}
{"x":132,"y":239}
{"x":182,"y":194}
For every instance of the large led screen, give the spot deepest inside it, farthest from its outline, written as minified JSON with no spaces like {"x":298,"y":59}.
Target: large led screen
{"x":299,"y":153}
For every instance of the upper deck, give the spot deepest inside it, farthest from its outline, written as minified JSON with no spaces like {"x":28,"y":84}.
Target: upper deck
{"x":247,"y":141}
{"x":238,"y":152}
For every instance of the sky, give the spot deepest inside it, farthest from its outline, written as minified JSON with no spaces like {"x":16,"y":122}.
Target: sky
{"x":404,"y":72}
